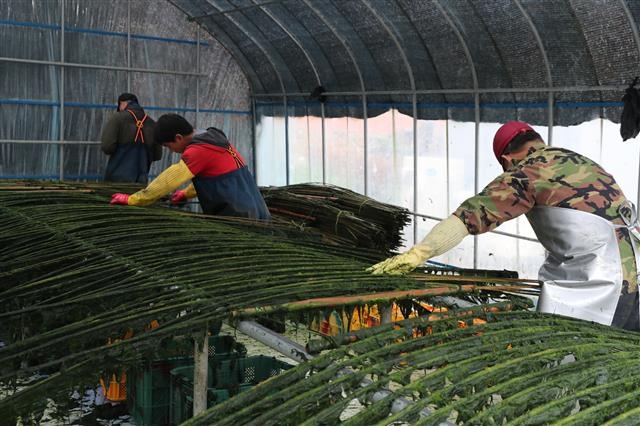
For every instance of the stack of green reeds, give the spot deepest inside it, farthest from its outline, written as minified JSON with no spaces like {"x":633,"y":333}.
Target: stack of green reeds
{"x":344,"y":216}
{"x":76,"y":273}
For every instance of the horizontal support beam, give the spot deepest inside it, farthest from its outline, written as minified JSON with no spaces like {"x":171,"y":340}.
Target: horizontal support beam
{"x":99,"y":67}
{"x":578,"y":89}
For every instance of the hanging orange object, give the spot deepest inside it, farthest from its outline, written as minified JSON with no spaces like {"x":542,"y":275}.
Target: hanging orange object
{"x":117,"y":390}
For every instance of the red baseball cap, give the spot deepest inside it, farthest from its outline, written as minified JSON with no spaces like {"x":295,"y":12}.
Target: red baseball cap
{"x":506,"y":133}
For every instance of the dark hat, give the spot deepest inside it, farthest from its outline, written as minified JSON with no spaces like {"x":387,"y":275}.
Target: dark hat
{"x":127,"y":97}
{"x":170,"y":125}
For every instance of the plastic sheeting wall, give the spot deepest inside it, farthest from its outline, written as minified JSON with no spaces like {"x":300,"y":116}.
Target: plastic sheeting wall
{"x":59,"y":87}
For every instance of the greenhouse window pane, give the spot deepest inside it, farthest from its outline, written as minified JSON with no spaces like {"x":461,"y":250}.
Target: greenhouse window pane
{"x":271,"y":150}
{"x":583,"y":139}
{"x":306,"y":148}
{"x":621,"y":159}
{"x":345,"y":152}
{"x":432,"y":171}
{"x":390,"y":158}
{"x":461,"y":162}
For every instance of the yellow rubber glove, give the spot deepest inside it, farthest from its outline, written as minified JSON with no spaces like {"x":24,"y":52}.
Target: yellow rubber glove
{"x":443,"y":237}
{"x":168,"y":181}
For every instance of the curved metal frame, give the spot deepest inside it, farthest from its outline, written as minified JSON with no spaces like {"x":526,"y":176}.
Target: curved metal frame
{"x":476,"y":98}
{"x":294,"y":38}
{"x":355,"y":65}
{"x":299,"y":43}
{"x":234,"y":51}
{"x":391,"y":30}
{"x":547,"y":66}
{"x":266,"y":52}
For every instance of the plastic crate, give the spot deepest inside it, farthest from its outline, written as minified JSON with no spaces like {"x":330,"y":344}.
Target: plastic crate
{"x":181,"y":394}
{"x":149,"y":385}
{"x":236,"y":373}
{"x":148,"y":390}
{"x":225,"y":347}
{"x":225,"y":379}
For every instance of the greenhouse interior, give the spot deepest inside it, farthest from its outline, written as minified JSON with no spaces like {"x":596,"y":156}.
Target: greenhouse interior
{"x":388,"y":212}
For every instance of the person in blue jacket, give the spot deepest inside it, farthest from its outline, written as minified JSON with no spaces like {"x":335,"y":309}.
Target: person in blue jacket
{"x":128,"y":140}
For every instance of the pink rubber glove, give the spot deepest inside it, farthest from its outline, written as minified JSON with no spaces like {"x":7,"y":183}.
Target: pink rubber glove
{"x":120,"y":198}
{"x":179,"y":197}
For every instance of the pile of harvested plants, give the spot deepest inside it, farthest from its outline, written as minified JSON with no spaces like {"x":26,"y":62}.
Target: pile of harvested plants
{"x":76,"y":273}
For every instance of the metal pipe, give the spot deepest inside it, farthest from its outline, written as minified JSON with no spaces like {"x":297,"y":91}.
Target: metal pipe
{"x":235,"y":9}
{"x":55,"y":142}
{"x":61,"y":94}
{"x":128,"y":45}
{"x":555,"y":89}
{"x":99,"y":67}
{"x":197,"y":78}
{"x":414,"y":102}
{"x":324,"y":145}
{"x":366,"y":145}
{"x":286,"y":140}
{"x":273,"y":340}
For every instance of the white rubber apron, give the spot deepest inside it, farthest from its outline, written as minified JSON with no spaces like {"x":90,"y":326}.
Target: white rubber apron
{"x":582,"y":274}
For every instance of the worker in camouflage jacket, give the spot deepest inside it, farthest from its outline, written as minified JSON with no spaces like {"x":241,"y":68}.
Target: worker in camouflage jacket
{"x":579,"y":214}
{"x":128,"y":140}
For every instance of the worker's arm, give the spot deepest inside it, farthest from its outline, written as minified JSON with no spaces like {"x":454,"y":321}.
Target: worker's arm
{"x":167,"y":181}
{"x":109,"y":137}
{"x":443,"y":237}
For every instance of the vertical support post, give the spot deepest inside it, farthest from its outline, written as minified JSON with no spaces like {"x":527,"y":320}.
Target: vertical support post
{"x":62,"y":55}
{"x":448,"y":168}
{"x":324,"y":146}
{"x":129,"y":46}
{"x":414,"y":103}
{"x":286,"y":138}
{"x":200,"y":373}
{"x":366,"y":146}
{"x":476,"y":188}
{"x":198,"y":76}
{"x":254,"y":145}
{"x":550,"y":118}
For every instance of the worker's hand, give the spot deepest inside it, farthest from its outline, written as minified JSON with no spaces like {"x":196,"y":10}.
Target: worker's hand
{"x":120,"y":198}
{"x":399,"y":264}
{"x":179,"y":197}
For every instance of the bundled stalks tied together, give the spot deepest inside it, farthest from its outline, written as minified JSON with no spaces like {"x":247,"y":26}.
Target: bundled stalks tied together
{"x":345,"y":217}
{"x":77,"y":273}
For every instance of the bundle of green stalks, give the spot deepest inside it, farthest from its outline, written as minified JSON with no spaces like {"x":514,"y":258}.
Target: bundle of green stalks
{"x":344,"y":216}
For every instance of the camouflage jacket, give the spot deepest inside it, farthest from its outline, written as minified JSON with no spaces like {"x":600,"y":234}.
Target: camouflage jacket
{"x":555,"y":177}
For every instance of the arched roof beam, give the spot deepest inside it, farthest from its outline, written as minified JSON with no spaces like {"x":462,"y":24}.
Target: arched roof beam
{"x":276,"y":61}
{"x":632,"y":24}
{"x":333,"y":30}
{"x":465,"y":47}
{"x":235,"y":9}
{"x":424,"y":44}
{"x":255,"y":84}
{"x":295,"y":39}
{"x":493,"y":43}
{"x":393,"y":33}
{"x":547,"y":66}
{"x":476,"y":97}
